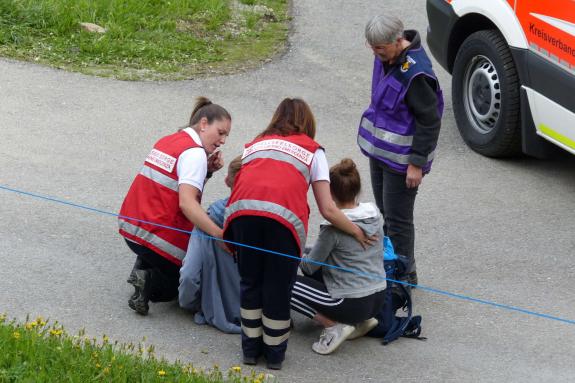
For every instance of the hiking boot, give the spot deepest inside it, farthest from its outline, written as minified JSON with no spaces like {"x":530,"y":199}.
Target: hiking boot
{"x":132,"y":280}
{"x":135,"y":294}
{"x":363,"y":328}
{"x":139,"y":300}
{"x":331,"y":338}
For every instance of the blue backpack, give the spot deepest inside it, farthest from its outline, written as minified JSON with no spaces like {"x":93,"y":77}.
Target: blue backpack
{"x":397,"y":297}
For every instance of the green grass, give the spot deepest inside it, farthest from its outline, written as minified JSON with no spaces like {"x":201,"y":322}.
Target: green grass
{"x":37,"y":351}
{"x":144,"y":39}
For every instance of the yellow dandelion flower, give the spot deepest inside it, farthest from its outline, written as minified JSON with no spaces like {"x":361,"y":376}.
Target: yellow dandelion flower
{"x":29,"y":325}
{"x":106,"y":370}
{"x":195,"y":371}
{"x":39,"y":319}
{"x":257,"y":381}
{"x":105,"y":339}
{"x":98,"y":365}
{"x":161,"y":373}
{"x":16,"y":335}
{"x":236,"y":369}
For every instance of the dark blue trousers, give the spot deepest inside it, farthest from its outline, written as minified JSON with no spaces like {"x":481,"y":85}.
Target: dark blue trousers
{"x":266,"y":283}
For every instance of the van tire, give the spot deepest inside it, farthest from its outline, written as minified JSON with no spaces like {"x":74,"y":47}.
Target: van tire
{"x":485,"y":95}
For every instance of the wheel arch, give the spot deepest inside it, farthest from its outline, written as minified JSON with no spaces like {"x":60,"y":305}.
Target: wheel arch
{"x":493,"y":14}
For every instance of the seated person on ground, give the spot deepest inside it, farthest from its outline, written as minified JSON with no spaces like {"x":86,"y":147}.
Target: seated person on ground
{"x":344,"y":303}
{"x":209,"y":278}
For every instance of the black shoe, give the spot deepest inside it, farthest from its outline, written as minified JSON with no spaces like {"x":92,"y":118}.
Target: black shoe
{"x":274,"y":366}
{"x":250,"y":360}
{"x":139,"y":300}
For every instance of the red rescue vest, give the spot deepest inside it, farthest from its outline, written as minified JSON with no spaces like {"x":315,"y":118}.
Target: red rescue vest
{"x":273,"y":182}
{"x":153,"y":197}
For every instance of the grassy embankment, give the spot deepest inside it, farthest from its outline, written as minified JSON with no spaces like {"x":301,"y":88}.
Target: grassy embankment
{"x":144,"y":39}
{"x":38,"y":351}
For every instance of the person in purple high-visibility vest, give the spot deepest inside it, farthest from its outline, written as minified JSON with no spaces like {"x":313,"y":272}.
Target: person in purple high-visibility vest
{"x":400,"y":128}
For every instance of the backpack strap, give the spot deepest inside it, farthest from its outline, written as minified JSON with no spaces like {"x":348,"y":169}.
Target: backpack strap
{"x":413,"y":329}
{"x":400,"y":324}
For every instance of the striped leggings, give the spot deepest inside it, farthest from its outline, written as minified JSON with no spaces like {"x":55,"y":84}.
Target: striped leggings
{"x":310,"y":296}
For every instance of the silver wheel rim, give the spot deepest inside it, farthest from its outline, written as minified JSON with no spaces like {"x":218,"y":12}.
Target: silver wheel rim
{"x":482,"y":94}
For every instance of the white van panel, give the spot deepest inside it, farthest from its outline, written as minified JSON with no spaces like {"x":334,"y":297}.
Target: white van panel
{"x":552,"y":121}
{"x":500,"y":13}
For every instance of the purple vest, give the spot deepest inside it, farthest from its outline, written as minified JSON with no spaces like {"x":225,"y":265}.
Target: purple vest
{"x":387,"y":127}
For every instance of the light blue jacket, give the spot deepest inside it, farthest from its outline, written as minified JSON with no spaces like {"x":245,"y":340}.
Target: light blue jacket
{"x":209,"y":279}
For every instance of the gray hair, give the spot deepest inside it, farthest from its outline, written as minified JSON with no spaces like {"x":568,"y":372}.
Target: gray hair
{"x":382,"y":29}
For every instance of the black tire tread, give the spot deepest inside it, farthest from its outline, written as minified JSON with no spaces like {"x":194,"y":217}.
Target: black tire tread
{"x":508,"y":143}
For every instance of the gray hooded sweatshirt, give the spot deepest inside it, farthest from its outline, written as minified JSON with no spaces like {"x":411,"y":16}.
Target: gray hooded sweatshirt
{"x":337,"y":248}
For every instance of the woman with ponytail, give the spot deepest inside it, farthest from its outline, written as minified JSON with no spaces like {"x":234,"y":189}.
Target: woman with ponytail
{"x":166,"y":194}
{"x":268,"y":210}
{"x":343,"y":302}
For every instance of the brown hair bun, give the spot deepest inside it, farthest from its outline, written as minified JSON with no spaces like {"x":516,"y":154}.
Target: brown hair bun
{"x":345,"y":182}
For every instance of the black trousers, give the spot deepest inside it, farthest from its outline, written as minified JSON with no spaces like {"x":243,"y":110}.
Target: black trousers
{"x":310,"y":296}
{"x":266,"y":282}
{"x":164,"y":276}
{"x":396,"y":203}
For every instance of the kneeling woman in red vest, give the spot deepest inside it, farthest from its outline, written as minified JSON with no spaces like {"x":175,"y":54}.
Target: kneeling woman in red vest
{"x":268,"y":209}
{"x":166,"y":194}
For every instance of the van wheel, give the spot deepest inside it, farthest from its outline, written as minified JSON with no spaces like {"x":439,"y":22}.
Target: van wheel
{"x":485,"y":96}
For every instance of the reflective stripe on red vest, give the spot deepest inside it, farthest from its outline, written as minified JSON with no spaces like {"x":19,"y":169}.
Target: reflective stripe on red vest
{"x":273,"y":182}
{"x":153,"y":197}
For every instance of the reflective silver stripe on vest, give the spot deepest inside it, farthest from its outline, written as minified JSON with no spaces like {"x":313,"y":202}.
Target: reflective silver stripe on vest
{"x":279,"y":156}
{"x":402,"y":159}
{"x":153,"y":239}
{"x":159,"y":178}
{"x":269,"y":207}
{"x":386,"y":136}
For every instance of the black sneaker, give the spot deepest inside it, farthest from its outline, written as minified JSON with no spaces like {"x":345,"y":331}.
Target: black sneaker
{"x":412,"y":279}
{"x":250,"y":360}
{"x":139,"y":300}
{"x":274,"y":366}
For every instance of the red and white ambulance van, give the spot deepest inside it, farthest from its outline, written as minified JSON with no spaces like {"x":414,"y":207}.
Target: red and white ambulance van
{"x":513,"y":71}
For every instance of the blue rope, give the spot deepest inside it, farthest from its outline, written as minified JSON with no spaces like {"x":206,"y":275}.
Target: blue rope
{"x":374,"y":276}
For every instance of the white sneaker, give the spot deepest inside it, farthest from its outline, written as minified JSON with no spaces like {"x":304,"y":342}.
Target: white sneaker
{"x":363,"y":328}
{"x":331,"y":338}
